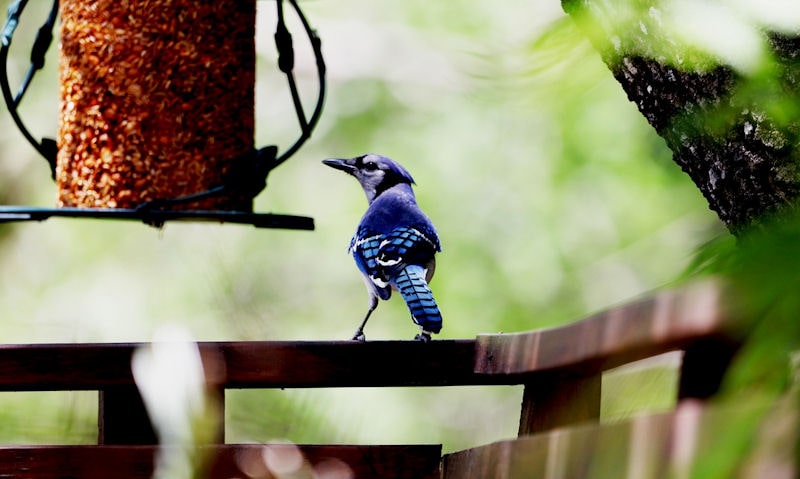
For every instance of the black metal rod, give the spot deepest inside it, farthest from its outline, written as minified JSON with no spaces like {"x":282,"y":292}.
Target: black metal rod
{"x":158,"y":217}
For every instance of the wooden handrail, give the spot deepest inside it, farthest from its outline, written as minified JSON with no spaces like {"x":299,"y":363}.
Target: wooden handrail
{"x":252,"y":364}
{"x":668,"y":321}
{"x":659,"y":445}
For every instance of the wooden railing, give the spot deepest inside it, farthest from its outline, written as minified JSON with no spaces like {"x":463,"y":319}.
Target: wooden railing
{"x":560,"y":368}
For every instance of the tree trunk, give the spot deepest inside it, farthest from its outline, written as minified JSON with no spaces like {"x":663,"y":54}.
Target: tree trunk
{"x":735,"y":135}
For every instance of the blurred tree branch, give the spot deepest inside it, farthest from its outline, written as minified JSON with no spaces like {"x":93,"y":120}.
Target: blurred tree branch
{"x":730,"y":121}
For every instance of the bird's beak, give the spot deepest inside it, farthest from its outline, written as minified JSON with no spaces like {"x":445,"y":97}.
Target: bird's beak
{"x":341,"y":164}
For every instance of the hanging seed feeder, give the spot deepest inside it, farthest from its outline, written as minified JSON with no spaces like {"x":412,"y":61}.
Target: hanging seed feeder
{"x":157,"y":110}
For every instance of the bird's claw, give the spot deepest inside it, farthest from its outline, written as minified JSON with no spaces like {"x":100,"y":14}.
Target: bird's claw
{"x":359,"y":336}
{"x":423,"y":337}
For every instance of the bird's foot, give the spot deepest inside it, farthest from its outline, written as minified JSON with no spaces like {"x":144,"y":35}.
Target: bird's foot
{"x":359,"y":336}
{"x":423,"y":337}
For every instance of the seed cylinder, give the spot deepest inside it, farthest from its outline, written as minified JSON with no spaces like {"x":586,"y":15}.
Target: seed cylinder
{"x":157,"y":100}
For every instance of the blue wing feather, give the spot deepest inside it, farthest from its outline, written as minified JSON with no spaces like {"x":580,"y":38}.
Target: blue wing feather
{"x":364,"y":247}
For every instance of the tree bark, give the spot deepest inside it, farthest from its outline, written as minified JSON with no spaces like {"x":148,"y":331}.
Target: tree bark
{"x":735,"y":136}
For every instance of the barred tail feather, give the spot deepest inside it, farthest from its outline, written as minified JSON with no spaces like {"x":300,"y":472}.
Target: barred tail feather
{"x":410,"y":281}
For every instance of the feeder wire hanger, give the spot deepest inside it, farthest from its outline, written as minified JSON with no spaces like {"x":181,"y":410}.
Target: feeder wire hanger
{"x":283,"y":41}
{"x":44,"y":37}
{"x":247,"y":174}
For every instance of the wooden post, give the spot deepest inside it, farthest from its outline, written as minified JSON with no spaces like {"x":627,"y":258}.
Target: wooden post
{"x":559,"y":401}
{"x":703,"y":367}
{"x":123,"y":418}
{"x":157,"y":100}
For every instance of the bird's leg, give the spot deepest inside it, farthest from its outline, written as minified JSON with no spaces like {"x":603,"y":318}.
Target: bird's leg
{"x":359,"y":336}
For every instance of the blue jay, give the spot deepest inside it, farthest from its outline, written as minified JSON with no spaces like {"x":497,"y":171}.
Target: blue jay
{"x":395,"y":241}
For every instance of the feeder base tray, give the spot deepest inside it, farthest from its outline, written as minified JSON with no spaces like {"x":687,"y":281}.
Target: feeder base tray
{"x":157,"y":217}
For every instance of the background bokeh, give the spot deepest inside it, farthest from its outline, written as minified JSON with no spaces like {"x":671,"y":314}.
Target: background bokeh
{"x":552,"y":196}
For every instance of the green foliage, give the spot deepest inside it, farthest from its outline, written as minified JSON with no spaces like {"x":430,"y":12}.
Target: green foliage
{"x":763,"y":270}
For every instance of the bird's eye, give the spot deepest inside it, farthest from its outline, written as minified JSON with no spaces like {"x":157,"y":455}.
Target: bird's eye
{"x":370,"y":166}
